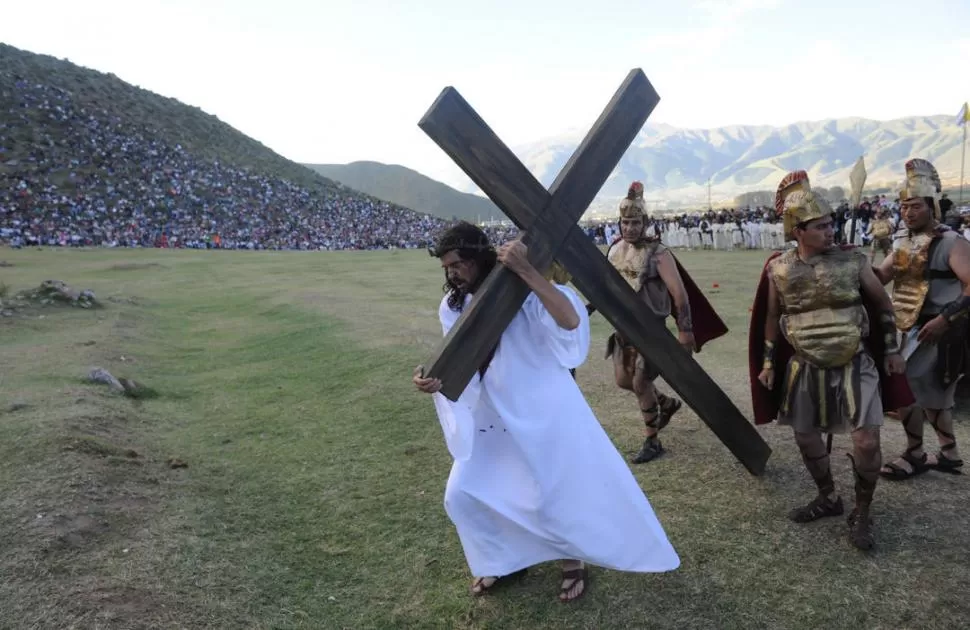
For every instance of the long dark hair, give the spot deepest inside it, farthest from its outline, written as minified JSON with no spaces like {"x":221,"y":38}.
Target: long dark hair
{"x":470,"y":243}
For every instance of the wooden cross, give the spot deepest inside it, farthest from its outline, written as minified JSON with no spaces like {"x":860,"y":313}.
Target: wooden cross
{"x":548,"y":219}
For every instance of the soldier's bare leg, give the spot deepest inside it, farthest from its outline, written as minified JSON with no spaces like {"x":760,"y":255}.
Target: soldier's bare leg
{"x":623,"y":369}
{"x":646,"y":393}
{"x":816,"y":459}
{"x":656,"y":409}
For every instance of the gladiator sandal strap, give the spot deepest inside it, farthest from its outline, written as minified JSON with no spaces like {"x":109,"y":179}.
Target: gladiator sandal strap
{"x":915,"y":415}
{"x":653,"y":413}
{"x":825,"y":483}
{"x":864,"y":488}
{"x":936,"y":427}
{"x":819,"y":507}
{"x":944,"y":463}
{"x":860,"y":525}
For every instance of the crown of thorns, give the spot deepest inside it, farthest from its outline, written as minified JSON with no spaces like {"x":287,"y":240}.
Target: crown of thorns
{"x":438,"y":251}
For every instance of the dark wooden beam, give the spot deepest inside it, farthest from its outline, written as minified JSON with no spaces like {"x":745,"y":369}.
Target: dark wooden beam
{"x":461,"y":133}
{"x":603,"y":286}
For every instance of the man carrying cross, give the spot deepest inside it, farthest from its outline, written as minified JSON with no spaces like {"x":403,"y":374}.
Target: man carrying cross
{"x":535,"y":478}
{"x":547,"y":219}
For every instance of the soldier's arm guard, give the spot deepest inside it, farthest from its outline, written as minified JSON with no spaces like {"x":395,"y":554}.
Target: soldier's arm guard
{"x":768,"y":363}
{"x":890,"y":336}
{"x":956,"y":309}
{"x":684,"y":322}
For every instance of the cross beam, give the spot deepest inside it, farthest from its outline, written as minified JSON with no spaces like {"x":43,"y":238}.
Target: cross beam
{"x":549,"y":221}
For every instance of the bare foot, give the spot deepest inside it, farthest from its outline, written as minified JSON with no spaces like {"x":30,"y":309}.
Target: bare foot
{"x":482,"y":584}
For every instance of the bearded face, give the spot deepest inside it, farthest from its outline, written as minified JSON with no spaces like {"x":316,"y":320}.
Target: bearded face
{"x":463,"y":276}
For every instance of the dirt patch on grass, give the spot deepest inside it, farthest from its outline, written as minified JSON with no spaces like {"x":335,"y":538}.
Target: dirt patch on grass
{"x":134,"y":266}
{"x":92,"y":445}
{"x":79,"y":529}
{"x":83,"y":503}
{"x":119,"y":604}
{"x":381,"y":326}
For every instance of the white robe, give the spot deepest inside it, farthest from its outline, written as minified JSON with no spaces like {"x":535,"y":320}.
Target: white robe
{"x":535,"y":476}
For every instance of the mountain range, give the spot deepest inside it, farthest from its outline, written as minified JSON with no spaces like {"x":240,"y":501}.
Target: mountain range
{"x":676,"y":164}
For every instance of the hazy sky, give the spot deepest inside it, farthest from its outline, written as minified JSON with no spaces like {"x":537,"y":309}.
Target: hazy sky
{"x":344,"y":80}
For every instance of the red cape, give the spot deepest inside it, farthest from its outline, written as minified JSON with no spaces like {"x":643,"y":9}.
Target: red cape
{"x":894,"y":389}
{"x":707,"y":323}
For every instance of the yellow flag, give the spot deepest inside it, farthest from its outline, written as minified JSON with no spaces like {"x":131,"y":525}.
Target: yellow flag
{"x":964,"y":116}
{"x":857,"y":179}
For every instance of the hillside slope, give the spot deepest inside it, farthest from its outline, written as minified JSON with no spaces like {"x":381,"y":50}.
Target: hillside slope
{"x":166,"y":119}
{"x":403,"y":186}
{"x":87,"y":159}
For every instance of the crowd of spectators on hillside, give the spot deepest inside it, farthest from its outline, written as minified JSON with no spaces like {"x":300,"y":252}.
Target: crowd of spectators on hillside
{"x":74,"y":175}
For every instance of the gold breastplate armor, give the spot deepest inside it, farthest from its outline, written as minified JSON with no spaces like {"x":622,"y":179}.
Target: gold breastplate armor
{"x":881,"y":228}
{"x":630,"y":260}
{"x":822,"y":313}
{"x":911,"y":261}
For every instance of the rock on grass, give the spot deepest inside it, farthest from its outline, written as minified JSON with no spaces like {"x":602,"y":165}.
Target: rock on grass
{"x":58,"y":292}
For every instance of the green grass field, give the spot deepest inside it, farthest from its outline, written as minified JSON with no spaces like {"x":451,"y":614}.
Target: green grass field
{"x":312,"y":496}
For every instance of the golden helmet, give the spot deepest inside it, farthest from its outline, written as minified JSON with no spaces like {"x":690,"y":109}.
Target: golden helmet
{"x":922,"y":180}
{"x":795,"y":202}
{"x":633,"y":205}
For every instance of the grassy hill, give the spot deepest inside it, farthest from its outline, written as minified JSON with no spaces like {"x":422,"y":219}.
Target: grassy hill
{"x":409,"y":188}
{"x":203,"y":135}
{"x":88,"y":159}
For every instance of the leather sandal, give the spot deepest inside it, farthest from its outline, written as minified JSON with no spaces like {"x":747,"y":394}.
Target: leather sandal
{"x":577,"y":576}
{"x":499,"y":582}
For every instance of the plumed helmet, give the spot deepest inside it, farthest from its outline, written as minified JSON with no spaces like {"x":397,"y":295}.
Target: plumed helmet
{"x":633,"y":205}
{"x":795,"y":202}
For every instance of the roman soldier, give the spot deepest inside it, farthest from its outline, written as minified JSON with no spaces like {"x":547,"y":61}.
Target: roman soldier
{"x":930,"y":270}
{"x":823,"y":323}
{"x":881,"y":231}
{"x":666,"y":288}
